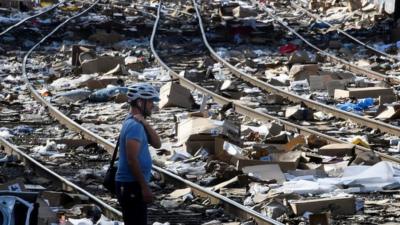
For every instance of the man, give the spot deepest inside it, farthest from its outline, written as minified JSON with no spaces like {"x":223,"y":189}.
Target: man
{"x":134,"y":163}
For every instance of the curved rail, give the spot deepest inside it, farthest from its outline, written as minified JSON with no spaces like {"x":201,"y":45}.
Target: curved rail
{"x":232,"y":206}
{"x":249,"y":111}
{"x":31,"y":17}
{"x":375,"y":124}
{"x":343,"y":32}
{"x":330,"y":57}
{"x":11,"y":149}
{"x":53,"y":110}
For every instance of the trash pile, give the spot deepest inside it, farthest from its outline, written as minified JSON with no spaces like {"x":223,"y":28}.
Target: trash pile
{"x":284,"y":175}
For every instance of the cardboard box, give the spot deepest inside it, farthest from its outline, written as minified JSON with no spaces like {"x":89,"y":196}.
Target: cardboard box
{"x":368,"y":92}
{"x":301,"y":72}
{"x":299,"y":113}
{"x":320,"y":219}
{"x":339,"y":150}
{"x":197,"y":125}
{"x":232,"y":154}
{"x":102,"y":64}
{"x":227,"y":10}
{"x":243,"y":12}
{"x":196,"y":141}
{"x":390,"y":112}
{"x":77,"y":50}
{"x":335,"y":84}
{"x":173,"y":94}
{"x":337,"y":206}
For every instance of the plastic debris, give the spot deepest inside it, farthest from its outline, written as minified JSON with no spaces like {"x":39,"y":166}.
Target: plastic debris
{"x":288,"y":48}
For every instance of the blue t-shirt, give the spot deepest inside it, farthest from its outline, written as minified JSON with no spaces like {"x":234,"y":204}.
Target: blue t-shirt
{"x":133,"y":130}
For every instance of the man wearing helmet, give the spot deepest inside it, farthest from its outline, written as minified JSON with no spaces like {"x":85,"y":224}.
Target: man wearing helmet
{"x":134,"y":163}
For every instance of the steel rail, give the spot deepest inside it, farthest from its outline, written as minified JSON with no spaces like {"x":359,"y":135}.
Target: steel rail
{"x":65,"y":120}
{"x":12,"y":149}
{"x":231,"y":206}
{"x":332,"y":58}
{"x":371,"y":123}
{"x":343,"y":32}
{"x":72,"y":125}
{"x":249,"y":111}
{"x":31,"y":17}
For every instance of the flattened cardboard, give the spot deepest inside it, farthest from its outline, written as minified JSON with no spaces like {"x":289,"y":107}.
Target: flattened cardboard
{"x":102,"y":82}
{"x":102,"y":64}
{"x":333,"y":85}
{"x":266,"y":172}
{"x":339,"y":150}
{"x":173,"y":94}
{"x":390,"y":112}
{"x":337,"y":206}
{"x":368,"y":92}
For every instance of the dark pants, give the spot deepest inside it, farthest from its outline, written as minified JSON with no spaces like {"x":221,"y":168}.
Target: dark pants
{"x":134,"y":210}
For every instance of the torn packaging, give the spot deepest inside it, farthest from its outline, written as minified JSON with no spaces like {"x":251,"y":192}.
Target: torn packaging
{"x":173,"y":94}
{"x":267,"y":172}
{"x":102,"y":64}
{"x":232,"y":154}
{"x":77,"y":50}
{"x":197,"y":125}
{"x":197,"y":141}
{"x":337,"y":150}
{"x":336,"y":205}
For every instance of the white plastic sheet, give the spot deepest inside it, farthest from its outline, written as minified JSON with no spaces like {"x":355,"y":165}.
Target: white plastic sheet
{"x":367,"y":178}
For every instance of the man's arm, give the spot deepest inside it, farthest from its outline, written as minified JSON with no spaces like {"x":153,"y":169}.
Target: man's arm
{"x":132,"y":153}
{"x":155,"y":140}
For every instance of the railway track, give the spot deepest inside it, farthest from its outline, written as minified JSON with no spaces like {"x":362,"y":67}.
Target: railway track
{"x":297,"y":5}
{"x":239,"y":107}
{"x":361,"y":120}
{"x":49,"y":9}
{"x":230,"y":206}
{"x":197,"y":53}
{"x":331,"y":54}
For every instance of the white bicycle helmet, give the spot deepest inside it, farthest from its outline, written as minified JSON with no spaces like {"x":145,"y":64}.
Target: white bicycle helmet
{"x":143,"y":91}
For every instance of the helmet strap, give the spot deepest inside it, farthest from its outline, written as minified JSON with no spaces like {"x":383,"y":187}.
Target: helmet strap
{"x":143,"y":109}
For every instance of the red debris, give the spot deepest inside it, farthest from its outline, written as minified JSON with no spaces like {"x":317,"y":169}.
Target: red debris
{"x":288,"y":48}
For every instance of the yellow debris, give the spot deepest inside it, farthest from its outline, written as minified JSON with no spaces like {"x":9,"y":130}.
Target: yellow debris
{"x":71,"y":8}
{"x":360,"y":141}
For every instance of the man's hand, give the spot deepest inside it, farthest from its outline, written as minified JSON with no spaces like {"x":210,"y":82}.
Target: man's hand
{"x":148,"y":196}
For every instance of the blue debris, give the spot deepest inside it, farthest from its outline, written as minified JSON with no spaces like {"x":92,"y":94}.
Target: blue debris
{"x":71,"y":96}
{"x":105,"y":94}
{"x":359,"y":107}
{"x":22,"y":129}
{"x":319,"y":25}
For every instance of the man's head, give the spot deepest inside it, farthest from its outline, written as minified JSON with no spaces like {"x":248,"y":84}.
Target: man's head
{"x":142,"y":96}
